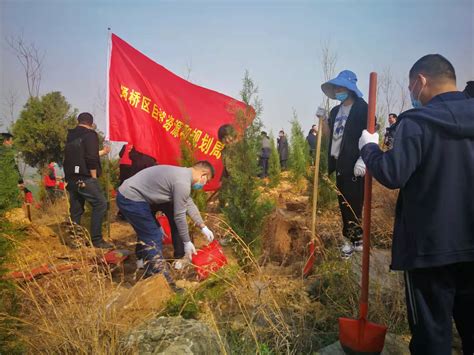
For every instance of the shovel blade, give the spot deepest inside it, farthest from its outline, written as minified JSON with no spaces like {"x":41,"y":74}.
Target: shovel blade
{"x":359,"y":336}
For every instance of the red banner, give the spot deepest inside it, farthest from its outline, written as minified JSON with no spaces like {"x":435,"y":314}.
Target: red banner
{"x":156,"y":111}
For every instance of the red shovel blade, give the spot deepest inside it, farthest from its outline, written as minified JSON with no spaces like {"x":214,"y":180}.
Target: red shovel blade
{"x":359,"y":336}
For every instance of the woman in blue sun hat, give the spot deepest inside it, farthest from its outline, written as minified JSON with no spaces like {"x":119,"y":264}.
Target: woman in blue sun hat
{"x":346,"y":123}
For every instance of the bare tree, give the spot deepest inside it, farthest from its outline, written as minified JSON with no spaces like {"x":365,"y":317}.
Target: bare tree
{"x":402,"y":87}
{"x":10,"y":102}
{"x":31,"y":59}
{"x":328,"y":59}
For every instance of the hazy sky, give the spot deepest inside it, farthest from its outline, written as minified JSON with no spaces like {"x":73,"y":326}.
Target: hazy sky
{"x":279,"y":42}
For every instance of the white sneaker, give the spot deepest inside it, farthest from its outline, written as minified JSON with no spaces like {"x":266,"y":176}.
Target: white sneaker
{"x":140,"y":264}
{"x":357,"y":245}
{"x":347,"y":250}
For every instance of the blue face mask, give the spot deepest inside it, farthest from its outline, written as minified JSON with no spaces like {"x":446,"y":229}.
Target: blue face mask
{"x":416,"y":103}
{"x":342,"y":96}
{"x":197,"y":186}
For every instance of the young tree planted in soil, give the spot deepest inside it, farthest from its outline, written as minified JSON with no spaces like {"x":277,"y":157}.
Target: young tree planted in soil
{"x":299,"y":151}
{"x":274,"y":164}
{"x":244,"y":208}
{"x":40,"y":132}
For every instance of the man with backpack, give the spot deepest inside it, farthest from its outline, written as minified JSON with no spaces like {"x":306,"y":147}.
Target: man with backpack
{"x":82,"y":169}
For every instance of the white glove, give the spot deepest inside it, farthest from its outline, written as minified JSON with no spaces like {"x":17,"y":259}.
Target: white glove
{"x":189,"y":250}
{"x":359,"y":168}
{"x":322,"y":113}
{"x":367,"y":138}
{"x":208,"y":233}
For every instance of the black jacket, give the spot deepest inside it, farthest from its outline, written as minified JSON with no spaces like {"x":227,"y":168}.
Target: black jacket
{"x":282,"y":145}
{"x":140,"y":161}
{"x":389,"y":135}
{"x":356,"y":123}
{"x":432,"y":163}
{"x":81,"y":154}
{"x":312,"y":140}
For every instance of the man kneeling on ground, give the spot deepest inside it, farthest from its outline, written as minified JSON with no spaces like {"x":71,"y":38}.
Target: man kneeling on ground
{"x":159,"y":185}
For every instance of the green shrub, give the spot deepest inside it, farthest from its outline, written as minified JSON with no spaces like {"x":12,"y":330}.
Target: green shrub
{"x":299,"y":151}
{"x":244,"y":208}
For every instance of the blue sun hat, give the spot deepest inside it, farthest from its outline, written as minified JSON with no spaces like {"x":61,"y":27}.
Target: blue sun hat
{"x":346,"y":79}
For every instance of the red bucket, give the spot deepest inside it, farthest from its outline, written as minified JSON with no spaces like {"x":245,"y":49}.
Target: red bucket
{"x":209,"y":259}
{"x":163,"y":220}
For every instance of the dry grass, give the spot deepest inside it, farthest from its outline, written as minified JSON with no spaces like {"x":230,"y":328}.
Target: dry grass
{"x":66,"y":312}
{"x":253,"y":306}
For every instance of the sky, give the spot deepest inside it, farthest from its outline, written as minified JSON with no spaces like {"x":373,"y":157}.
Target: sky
{"x":278,"y":42}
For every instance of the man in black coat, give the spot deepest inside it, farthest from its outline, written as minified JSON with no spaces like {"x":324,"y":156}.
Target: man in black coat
{"x":390,"y":131}
{"x":432,"y":163}
{"x":82,"y":169}
{"x":312,"y":138}
{"x":346,"y":123}
{"x":282,"y":146}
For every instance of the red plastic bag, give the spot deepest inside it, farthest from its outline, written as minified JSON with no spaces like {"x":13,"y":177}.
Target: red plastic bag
{"x":163,"y":220}
{"x":209,"y":259}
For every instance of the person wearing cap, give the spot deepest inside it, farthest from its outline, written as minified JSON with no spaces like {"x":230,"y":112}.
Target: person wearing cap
{"x":9,"y":174}
{"x":432,"y":163}
{"x":346,"y":123}
{"x":82,"y":169}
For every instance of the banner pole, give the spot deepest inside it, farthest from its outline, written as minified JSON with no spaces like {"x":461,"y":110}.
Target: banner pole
{"x":107,"y":160}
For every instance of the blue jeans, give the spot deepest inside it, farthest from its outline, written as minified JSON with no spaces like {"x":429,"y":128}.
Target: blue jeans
{"x":93,"y":194}
{"x":150,"y":237}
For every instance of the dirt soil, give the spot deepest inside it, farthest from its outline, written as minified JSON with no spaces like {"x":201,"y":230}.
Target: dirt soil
{"x":285,"y":244}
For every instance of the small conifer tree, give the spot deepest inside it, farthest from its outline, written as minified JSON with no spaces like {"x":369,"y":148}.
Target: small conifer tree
{"x":244,"y":208}
{"x":9,"y":193}
{"x":299,"y":151}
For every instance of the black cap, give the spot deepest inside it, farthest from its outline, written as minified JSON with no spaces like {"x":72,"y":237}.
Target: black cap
{"x":7,"y":135}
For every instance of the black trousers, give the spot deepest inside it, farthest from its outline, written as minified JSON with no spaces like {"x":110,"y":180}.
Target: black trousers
{"x":92,"y":193}
{"x":263,"y":163}
{"x":350,"y":204}
{"x":168,"y":210}
{"x":434,"y":297}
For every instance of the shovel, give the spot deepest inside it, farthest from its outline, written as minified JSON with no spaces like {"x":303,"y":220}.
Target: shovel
{"x":359,"y":336}
{"x":308,"y":267}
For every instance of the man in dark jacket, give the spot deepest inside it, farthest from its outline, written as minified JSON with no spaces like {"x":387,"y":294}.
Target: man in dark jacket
{"x":390,"y":131}
{"x":312,"y":138}
{"x":264,"y":154}
{"x":346,"y":123}
{"x":432,"y":163}
{"x":282,"y":145}
{"x":82,"y":169}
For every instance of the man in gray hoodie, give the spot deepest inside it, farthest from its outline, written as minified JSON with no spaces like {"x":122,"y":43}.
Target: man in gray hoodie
{"x":157,"y":185}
